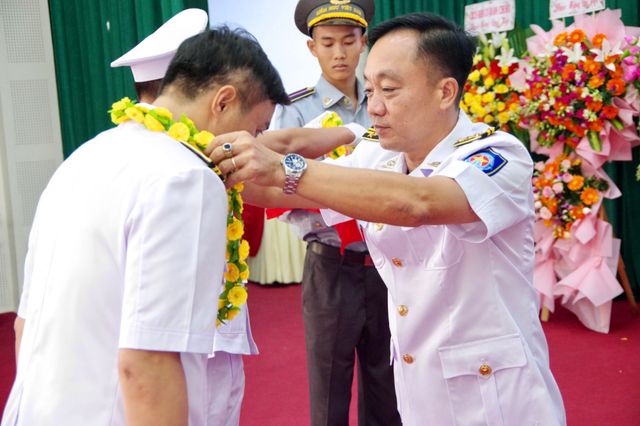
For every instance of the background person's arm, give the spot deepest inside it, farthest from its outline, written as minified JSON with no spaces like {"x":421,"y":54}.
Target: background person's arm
{"x":153,"y":387}
{"x":310,"y":143}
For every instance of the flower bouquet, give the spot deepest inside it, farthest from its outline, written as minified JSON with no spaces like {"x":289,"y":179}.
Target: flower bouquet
{"x":576,"y":92}
{"x":563,"y":194}
{"x":488,"y":93}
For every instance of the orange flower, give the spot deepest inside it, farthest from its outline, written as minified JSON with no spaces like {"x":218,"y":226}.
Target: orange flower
{"x":567,"y":70}
{"x":553,"y":120}
{"x":589,"y":196}
{"x":560,"y":40}
{"x":576,"y":213}
{"x":596,"y":81}
{"x":610,"y":112}
{"x":577,"y":36}
{"x":594,"y":106}
{"x":576,"y":183}
{"x":597,"y":40}
{"x":595,"y":126}
{"x":591,"y":66}
{"x":616,"y":86}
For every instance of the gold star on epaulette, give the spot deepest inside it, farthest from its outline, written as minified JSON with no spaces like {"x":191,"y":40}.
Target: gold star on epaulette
{"x":468,"y":139}
{"x":371,"y":135}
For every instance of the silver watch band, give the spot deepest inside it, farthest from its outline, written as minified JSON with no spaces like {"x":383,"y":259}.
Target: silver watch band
{"x":290,"y":184}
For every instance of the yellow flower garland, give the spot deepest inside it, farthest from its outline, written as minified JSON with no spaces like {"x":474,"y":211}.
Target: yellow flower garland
{"x":333,"y":120}
{"x":234,"y":294}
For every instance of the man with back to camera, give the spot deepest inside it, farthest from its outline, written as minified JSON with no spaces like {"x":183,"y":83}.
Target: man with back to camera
{"x":344,"y":299}
{"x":452,"y":240}
{"x":127,"y":252}
{"x":149,"y":61}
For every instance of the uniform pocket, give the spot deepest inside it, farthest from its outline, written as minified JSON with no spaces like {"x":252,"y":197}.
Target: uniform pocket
{"x":479,"y":375}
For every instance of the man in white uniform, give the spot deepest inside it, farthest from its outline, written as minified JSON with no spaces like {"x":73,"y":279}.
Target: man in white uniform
{"x":149,"y":61}
{"x":127,"y":252}
{"x":452,"y":240}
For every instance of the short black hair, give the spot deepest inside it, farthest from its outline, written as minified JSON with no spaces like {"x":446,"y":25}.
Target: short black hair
{"x":224,"y":56}
{"x":441,"y":42}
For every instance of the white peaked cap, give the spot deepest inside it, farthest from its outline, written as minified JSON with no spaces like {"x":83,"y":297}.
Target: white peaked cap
{"x":150,"y":59}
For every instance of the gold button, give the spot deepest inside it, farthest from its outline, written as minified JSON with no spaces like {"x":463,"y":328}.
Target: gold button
{"x":396,"y":262}
{"x":379,"y":226}
{"x":407,"y":358}
{"x":485,"y":370}
{"x":403,"y":310}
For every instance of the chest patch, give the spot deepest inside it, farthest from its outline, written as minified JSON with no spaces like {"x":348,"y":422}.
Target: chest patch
{"x":487,"y":160}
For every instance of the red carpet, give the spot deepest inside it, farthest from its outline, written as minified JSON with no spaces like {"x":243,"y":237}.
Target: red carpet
{"x":598,"y":374}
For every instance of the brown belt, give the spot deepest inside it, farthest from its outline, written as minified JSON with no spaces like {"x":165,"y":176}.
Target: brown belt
{"x":349,"y":256}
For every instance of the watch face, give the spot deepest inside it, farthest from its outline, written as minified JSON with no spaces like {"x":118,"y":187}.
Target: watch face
{"x":295,"y":162}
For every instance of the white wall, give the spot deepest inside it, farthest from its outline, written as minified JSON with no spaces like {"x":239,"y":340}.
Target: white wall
{"x":271,"y":22}
{"x":30,"y":141}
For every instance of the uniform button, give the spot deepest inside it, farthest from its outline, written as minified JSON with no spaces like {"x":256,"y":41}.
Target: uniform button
{"x":397,"y":262}
{"x":327,"y":100}
{"x":379,"y":226}
{"x":403,"y":310}
{"x":407,"y":358}
{"x":485,"y":370}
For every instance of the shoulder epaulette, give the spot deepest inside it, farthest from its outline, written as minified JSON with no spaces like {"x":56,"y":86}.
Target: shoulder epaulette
{"x":468,"y":139}
{"x":371,"y":135}
{"x":301,"y":94}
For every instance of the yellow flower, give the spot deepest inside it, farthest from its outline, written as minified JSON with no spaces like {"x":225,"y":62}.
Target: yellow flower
{"x":120,"y":105}
{"x":179,"y":131}
{"x":203,"y":138}
{"x":239,"y":186}
{"x":484,"y":71}
{"x":501,"y":89}
{"x":488,"y":118}
{"x":244,"y":273}
{"x":243,"y":250}
{"x":232,"y":313}
{"x":331,"y":120}
{"x":513,"y":107}
{"x":163,"y":112}
{"x":233,"y":273}
{"x":237,"y":296}
{"x":478,"y":111}
{"x":118,"y":118}
{"x":504,"y":70}
{"x":488,"y":82}
{"x":464,"y":107}
{"x":341,"y":150}
{"x":152,"y":123}
{"x":235,"y":230}
{"x":142,"y":109}
{"x":503,"y":117}
{"x":221,"y":303}
{"x":134,"y":114}
{"x":468,"y":98}
{"x":501,"y":106}
{"x":474,"y":76}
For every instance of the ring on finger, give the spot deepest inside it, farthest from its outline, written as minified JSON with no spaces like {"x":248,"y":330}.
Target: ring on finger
{"x":235,"y":167}
{"x":227,"y":148}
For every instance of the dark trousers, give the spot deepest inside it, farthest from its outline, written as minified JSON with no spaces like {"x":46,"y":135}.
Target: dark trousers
{"x":344,"y":304}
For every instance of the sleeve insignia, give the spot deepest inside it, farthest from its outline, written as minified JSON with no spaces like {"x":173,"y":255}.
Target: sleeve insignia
{"x":371,"y":135}
{"x":301,"y":94}
{"x":472,"y":138}
{"x":487,"y":160}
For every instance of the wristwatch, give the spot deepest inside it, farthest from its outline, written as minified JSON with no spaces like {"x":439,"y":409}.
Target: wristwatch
{"x":294,"y":166}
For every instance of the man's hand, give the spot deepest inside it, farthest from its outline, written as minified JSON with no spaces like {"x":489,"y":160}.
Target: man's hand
{"x":247,"y":160}
{"x":154,"y":387}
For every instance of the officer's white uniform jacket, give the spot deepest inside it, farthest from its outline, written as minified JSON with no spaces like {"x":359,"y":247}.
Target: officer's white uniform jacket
{"x":467,"y":344}
{"x":126,"y":251}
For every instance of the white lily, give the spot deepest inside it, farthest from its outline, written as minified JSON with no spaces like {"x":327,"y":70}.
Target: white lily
{"x":574,"y":55}
{"x":603,"y":53}
{"x":506,"y":57}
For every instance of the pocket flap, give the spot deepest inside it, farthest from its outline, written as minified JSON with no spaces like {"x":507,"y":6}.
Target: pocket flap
{"x":473,"y":358}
